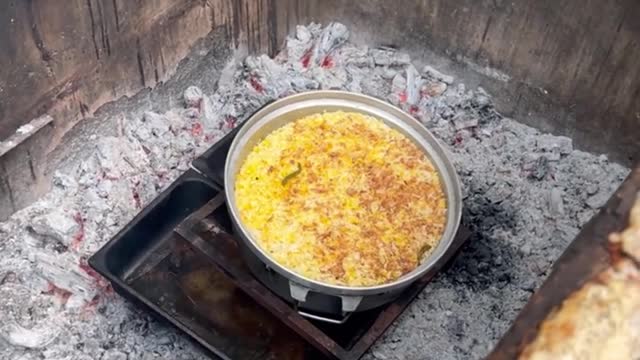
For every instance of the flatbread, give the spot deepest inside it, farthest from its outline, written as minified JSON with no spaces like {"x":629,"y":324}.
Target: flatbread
{"x":602,"y":319}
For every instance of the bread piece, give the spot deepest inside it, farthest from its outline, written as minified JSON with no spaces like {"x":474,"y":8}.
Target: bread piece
{"x":630,"y":237}
{"x":602,"y":319}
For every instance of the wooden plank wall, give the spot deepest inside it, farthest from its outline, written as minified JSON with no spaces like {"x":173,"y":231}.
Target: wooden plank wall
{"x":570,"y":67}
{"x":68,"y":58}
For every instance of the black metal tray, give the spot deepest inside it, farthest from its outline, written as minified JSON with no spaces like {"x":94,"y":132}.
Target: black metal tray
{"x":149,"y":264}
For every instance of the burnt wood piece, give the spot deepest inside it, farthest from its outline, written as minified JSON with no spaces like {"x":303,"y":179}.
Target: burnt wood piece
{"x":362,"y":330}
{"x":585,"y":257}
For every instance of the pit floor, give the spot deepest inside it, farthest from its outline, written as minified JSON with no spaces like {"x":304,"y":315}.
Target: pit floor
{"x":526,"y":196}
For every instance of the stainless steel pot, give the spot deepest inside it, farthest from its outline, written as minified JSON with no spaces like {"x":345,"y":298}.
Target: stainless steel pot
{"x":327,"y":302}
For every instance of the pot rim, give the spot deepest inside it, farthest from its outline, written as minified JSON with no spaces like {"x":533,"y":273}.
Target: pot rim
{"x":384,"y":111}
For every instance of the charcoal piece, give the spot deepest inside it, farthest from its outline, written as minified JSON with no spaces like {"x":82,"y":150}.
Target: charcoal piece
{"x":113,"y":354}
{"x":591,"y":189}
{"x":389,"y":57}
{"x":481,"y":99}
{"x":414,"y":84}
{"x":464,"y":121}
{"x":333,"y":36}
{"x":540,"y":168}
{"x":437,"y":75}
{"x":550,"y":143}
{"x":57,"y":226}
{"x":192,"y":96}
{"x":598,"y":200}
{"x":555,"y":202}
{"x":434,"y":89}
{"x":156,"y":123}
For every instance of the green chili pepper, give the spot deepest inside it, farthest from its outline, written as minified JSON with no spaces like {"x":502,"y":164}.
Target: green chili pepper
{"x":291,"y":175}
{"x":423,"y":250}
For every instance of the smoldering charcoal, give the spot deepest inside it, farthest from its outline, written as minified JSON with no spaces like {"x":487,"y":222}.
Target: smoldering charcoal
{"x":526,"y":195}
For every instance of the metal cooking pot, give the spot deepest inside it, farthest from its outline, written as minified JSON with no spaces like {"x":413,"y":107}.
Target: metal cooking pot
{"x":314,"y":299}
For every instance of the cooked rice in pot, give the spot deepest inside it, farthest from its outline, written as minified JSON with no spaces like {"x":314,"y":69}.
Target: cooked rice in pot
{"x":342,"y":198}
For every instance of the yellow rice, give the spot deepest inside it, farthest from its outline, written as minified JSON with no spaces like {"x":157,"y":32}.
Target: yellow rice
{"x":341,"y":198}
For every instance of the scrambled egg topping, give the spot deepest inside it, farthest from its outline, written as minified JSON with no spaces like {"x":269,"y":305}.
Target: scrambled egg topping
{"x":342,"y":198}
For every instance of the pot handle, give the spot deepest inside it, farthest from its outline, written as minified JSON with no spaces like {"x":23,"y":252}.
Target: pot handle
{"x":324,"y":318}
{"x":349,"y":304}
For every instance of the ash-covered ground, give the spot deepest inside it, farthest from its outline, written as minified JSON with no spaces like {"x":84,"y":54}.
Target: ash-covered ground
{"x":526,"y":196}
